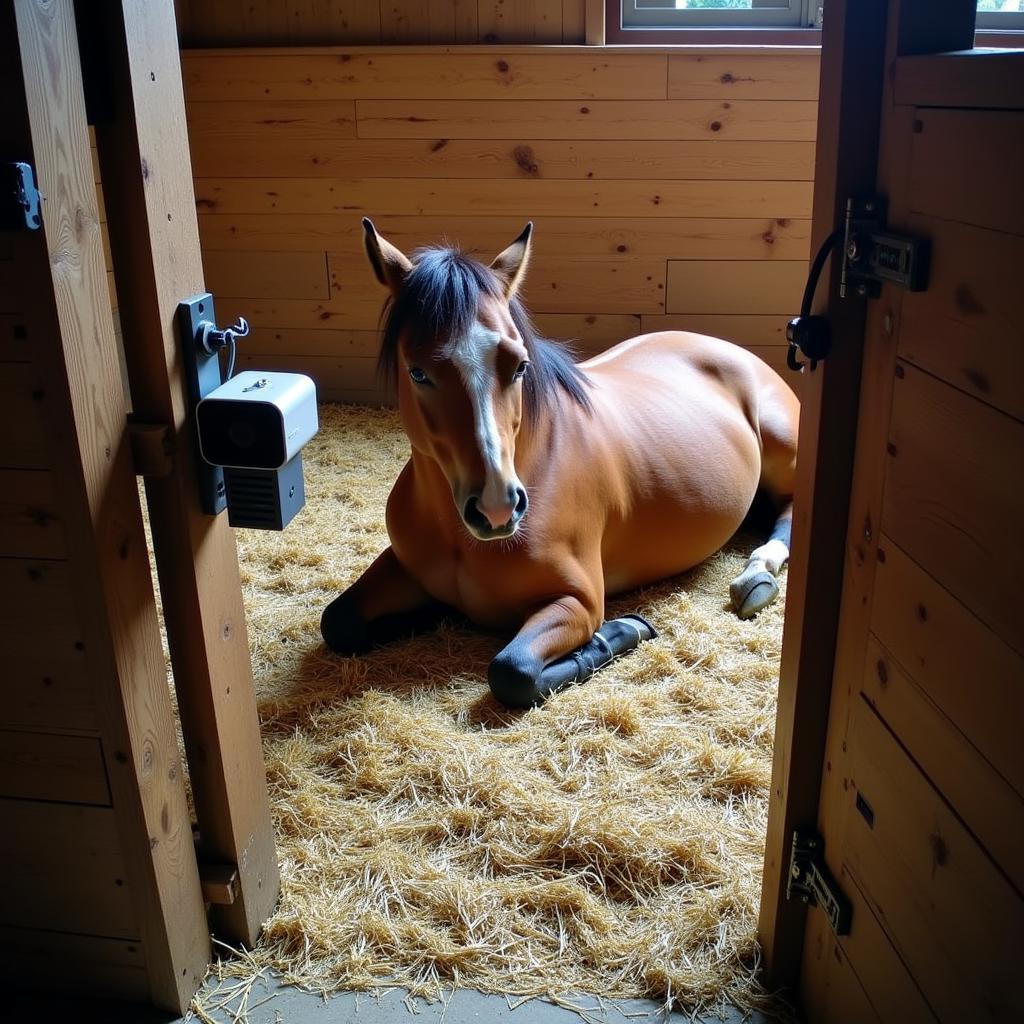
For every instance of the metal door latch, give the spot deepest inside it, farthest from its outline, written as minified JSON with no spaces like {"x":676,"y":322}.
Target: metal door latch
{"x":873,"y":256}
{"x":19,"y":198}
{"x":811,"y":881}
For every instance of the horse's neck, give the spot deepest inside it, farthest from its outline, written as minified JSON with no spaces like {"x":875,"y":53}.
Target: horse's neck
{"x":538,"y":437}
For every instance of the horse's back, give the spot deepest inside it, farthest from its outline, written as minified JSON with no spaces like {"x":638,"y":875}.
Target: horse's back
{"x":706,"y":373}
{"x":711,"y":360}
{"x":692,"y":420}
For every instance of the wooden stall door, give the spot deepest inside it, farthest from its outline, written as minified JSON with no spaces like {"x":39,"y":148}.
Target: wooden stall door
{"x":922,"y":802}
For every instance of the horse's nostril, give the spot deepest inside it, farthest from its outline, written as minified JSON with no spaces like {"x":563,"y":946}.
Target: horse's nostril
{"x":488,"y":523}
{"x":471,"y":513}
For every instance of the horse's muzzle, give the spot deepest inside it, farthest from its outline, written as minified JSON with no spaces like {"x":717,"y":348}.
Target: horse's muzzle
{"x":480,"y":526}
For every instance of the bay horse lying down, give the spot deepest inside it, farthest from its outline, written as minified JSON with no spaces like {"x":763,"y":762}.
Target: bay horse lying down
{"x":537,"y":485}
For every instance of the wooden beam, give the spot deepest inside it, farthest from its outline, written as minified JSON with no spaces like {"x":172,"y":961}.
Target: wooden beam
{"x":861,"y":40}
{"x":965,"y":79}
{"x":73,"y":350}
{"x":595,"y":28}
{"x":220,"y":883}
{"x":848,"y":119}
{"x":155,"y":244}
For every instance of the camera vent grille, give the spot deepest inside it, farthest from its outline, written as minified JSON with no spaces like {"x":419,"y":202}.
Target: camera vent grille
{"x":253,"y":499}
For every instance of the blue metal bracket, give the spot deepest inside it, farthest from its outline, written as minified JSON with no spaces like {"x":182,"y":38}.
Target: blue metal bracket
{"x":203,"y":373}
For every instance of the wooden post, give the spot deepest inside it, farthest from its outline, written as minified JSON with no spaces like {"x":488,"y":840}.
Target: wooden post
{"x":69,"y":335}
{"x":595,"y":22}
{"x":147,"y":177}
{"x":853,"y":46}
{"x":860,"y":39}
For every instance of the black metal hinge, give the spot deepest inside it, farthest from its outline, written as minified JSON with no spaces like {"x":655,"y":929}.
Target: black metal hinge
{"x":811,"y":881}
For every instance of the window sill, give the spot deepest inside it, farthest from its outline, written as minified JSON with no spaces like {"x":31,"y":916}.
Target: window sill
{"x":999,"y":40}
{"x":618,"y":36}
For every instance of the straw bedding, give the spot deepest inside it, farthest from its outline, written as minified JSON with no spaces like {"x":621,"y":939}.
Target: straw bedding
{"x":609,"y":841}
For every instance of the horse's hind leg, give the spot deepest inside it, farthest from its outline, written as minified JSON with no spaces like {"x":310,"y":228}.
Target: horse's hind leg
{"x":757,"y":586}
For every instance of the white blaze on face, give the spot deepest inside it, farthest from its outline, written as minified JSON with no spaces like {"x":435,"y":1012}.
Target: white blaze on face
{"x":476,"y":358}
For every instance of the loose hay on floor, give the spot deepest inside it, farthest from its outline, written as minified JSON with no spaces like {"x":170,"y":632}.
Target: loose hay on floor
{"x":608,"y":842}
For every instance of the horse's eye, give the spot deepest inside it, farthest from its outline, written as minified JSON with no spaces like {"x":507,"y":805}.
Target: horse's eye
{"x":418,"y":375}
{"x":521,"y":371}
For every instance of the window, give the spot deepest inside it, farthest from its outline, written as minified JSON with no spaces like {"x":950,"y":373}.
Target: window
{"x":999,"y":15}
{"x":721,"y":14}
{"x":726,"y":18}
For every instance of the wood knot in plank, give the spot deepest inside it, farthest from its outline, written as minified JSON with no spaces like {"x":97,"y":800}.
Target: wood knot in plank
{"x":967,"y":302}
{"x":525,"y":160}
{"x":940,"y":851}
{"x":978,"y":380}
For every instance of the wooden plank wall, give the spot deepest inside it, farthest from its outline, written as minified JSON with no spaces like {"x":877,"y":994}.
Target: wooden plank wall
{"x":668,"y":190}
{"x":368,"y":22}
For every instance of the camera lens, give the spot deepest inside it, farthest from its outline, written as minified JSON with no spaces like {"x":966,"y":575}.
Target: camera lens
{"x":242,"y":433}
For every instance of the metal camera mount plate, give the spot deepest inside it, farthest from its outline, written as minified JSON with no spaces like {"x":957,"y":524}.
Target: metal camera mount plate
{"x":203,"y":374}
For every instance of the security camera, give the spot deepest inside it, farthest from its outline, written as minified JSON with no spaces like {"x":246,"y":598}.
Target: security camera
{"x":255,"y":425}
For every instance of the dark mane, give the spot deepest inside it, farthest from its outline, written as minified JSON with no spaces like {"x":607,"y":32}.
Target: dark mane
{"x":439,"y":302}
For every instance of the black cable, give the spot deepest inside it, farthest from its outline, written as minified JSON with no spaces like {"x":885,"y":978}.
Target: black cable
{"x":816,"y":268}
{"x":809,"y":334}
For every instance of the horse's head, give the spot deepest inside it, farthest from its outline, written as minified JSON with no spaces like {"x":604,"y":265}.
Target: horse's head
{"x":461,"y":347}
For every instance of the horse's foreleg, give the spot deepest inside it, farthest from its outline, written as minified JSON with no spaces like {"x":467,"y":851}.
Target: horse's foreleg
{"x":564,"y":643}
{"x":555,"y":630}
{"x":384,"y":604}
{"x":757,"y":586}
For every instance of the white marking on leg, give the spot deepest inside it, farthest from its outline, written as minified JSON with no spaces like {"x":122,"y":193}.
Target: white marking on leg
{"x":771,"y":556}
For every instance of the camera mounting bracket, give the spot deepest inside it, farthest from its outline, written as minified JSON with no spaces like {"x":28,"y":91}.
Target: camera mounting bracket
{"x":196,"y":320}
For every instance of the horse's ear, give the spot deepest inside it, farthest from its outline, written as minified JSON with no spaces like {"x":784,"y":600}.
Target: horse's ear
{"x":389,"y":263}
{"x":510,"y":264}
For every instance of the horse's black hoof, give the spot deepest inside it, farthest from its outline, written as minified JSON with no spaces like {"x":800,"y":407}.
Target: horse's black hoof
{"x":513,"y":679}
{"x":343,"y":629}
{"x":752,"y":591}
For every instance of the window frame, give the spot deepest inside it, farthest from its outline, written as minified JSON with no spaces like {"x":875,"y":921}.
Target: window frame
{"x":762,"y":14}
{"x":990,"y":32}
{"x":742,"y":35}
{"x":999,"y":21}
